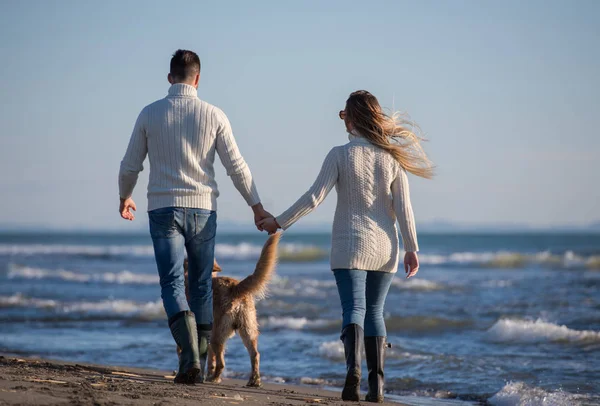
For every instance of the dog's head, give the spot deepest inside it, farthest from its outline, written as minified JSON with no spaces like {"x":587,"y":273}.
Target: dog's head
{"x":216,"y":267}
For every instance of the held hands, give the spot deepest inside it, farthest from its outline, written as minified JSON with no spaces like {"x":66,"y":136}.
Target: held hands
{"x":260,"y":214}
{"x":124,"y":207}
{"x":270,"y":225}
{"x":411,"y":264}
{"x":263,"y":220}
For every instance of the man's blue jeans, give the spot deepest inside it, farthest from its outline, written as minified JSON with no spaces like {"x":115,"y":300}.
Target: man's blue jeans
{"x":174,"y":229}
{"x":363,"y":294}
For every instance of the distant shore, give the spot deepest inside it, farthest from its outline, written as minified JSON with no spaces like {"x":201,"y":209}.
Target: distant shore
{"x":42,"y":382}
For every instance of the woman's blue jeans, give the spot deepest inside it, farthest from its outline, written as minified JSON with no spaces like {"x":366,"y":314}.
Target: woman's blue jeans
{"x":363,"y":294}
{"x":175,"y":230}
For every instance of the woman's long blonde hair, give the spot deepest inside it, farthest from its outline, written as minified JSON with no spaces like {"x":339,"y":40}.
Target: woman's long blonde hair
{"x":395,"y":134}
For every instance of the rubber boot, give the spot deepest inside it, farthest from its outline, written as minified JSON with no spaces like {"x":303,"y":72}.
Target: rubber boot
{"x":183,"y":329}
{"x":352,"y":336}
{"x":375,"y":352}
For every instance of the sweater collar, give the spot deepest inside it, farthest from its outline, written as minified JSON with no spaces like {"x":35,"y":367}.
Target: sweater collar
{"x":356,"y":138}
{"x":183,"y":90}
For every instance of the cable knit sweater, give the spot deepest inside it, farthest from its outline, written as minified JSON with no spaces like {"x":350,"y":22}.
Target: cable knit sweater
{"x":373,"y":193}
{"x":181,"y":134}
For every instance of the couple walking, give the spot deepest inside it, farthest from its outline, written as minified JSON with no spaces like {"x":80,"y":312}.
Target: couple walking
{"x":181,"y":135}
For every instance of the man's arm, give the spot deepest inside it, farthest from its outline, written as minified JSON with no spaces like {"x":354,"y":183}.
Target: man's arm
{"x":236,"y":166}
{"x":132,"y":165}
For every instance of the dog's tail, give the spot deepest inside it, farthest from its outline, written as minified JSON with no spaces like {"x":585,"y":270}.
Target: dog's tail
{"x":256,"y":284}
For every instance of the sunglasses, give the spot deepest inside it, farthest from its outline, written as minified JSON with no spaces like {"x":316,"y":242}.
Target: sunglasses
{"x":342,"y":114}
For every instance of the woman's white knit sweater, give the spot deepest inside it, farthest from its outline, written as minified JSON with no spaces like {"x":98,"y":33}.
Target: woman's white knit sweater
{"x":373,"y":193}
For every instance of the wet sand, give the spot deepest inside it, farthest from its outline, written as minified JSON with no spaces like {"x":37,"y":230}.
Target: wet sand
{"x":27,"y":381}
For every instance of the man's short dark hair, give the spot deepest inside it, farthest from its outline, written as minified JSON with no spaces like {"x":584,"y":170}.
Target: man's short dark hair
{"x":184,"y":64}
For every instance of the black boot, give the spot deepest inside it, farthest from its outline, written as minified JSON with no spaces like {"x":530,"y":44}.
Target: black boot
{"x":204,"y":331}
{"x":183,"y":328}
{"x":375,"y":352}
{"x":352,"y":336}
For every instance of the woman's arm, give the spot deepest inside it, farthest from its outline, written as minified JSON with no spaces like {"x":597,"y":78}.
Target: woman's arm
{"x":314,"y":196}
{"x":404,"y":211}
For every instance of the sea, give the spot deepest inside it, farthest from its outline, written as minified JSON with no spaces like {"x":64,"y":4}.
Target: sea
{"x":495,"y":319}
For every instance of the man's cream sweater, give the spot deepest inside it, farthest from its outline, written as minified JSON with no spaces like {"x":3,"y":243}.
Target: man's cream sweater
{"x":373,"y":193}
{"x":181,"y":134}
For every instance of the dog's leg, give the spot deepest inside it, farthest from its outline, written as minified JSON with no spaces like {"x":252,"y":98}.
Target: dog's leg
{"x":251,"y":343}
{"x":212,"y":363}
{"x":218,"y":349}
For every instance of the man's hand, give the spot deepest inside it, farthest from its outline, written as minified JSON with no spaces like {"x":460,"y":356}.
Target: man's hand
{"x":411,"y":264}
{"x":270,"y":225}
{"x":124,"y":207}
{"x":260,"y":214}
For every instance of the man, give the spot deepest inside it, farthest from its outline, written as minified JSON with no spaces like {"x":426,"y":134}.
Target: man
{"x":181,"y":135}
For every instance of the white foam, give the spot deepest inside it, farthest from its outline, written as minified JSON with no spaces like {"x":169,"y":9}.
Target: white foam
{"x":539,"y":331}
{"x":509,"y":259}
{"x":416,"y":283}
{"x":275,"y":379}
{"x":518,"y":393}
{"x":91,"y":250}
{"x":333,"y":350}
{"x":294,"y":323}
{"x":241,"y":251}
{"x":287,"y":251}
{"x":117,"y":307}
{"x":308,"y":252}
{"x":124,"y":277}
{"x":285,"y":287}
{"x":18,"y":300}
{"x":305,"y":380}
{"x":317,"y":288}
{"x":148,"y":310}
{"x":502,"y":283}
{"x":238,"y":251}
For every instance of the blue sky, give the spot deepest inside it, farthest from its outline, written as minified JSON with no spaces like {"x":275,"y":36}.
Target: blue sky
{"x":508,"y":94}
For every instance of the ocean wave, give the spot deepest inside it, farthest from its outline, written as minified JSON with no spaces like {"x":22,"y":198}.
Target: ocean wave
{"x":512,"y":260}
{"x":278,"y":287}
{"x":301,"y":252}
{"x":417,"y":284}
{"x":334,"y":351}
{"x":285,"y":287}
{"x":121,"y":278}
{"x":106,"y":308}
{"x":288,"y":252}
{"x":424,"y":324}
{"x":519,"y":393}
{"x":539,"y":331}
{"x":297,"y":323}
{"x":76,"y":250}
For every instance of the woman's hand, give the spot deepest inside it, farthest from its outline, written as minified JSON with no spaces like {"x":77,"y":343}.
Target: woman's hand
{"x":269,"y":224}
{"x":411,"y":264}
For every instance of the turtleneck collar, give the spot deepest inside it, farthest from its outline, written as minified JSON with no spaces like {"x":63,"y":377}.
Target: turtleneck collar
{"x":354,"y":136}
{"x":183,"y":90}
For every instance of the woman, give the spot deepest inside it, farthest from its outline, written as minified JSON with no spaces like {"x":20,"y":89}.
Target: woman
{"x":369,"y":174}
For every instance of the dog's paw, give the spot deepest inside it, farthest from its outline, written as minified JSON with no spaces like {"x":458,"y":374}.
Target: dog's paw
{"x":254,"y":382}
{"x":213,"y":379}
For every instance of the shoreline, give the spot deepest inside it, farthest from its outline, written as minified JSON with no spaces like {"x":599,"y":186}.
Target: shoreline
{"x":38,"y":381}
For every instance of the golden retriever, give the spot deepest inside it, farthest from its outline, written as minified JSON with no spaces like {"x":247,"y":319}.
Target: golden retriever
{"x":234,"y":311}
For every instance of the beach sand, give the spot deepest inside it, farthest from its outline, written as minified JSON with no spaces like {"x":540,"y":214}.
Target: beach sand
{"x":27,"y":381}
